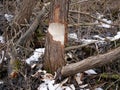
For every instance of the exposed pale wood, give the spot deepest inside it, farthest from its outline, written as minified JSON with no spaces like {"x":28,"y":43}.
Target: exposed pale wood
{"x":91,"y":62}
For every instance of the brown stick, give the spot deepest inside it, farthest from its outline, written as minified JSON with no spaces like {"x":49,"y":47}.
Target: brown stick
{"x":32,"y":28}
{"x":91,"y":62}
{"x":78,"y":46}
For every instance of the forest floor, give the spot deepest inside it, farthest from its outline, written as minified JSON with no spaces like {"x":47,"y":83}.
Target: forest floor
{"x":106,"y":37}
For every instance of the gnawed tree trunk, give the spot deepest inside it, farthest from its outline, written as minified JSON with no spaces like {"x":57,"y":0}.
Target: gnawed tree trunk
{"x":55,"y":39}
{"x":91,"y":62}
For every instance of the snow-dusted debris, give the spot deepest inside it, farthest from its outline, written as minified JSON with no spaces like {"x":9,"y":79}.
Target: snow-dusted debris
{"x":98,"y":89}
{"x":106,"y":25}
{"x":85,"y":41}
{"x":8,"y":17}
{"x":2,"y":52}
{"x":84,"y":86}
{"x":116,"y":37}
{"x":90,"y":72}
{"x":49,"y":83}
{"x":70,"y":55}
{"x":1,"y":39}
{"x":78,"y":78}
{"x":36,"y":55}
{"x":98,"y":37}
{"x":2,"y":56}
{"x":101,"y":39}
{"x":1,"y":82}
{"x":73,"y":36}
{"x":100,"y":16}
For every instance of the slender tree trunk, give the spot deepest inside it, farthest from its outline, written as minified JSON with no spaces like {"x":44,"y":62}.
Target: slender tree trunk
{"x":55,"y":39}
{"x":24,"y":14}
{"x":21,"y":17}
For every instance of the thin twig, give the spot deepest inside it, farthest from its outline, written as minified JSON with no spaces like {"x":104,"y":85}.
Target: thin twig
{"x":84,"y":13}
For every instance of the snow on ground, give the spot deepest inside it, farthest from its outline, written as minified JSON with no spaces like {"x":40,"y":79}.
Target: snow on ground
{"x":90,"y":72}
{"x":2,"y":56}
{"x":100,"y":16}
{"x":49,"y":83}
{"x":1,"y":39}
{"x":73,"y":36}
{"x":9,"y":17}
{"x":116,"y":37}
{"x":85,"y":41}
{"x":99,"y":38}
{"x":36,"y":55}
{"x":1,"y":82}
{"x":2,"y":52}
{"x":98,"y":89}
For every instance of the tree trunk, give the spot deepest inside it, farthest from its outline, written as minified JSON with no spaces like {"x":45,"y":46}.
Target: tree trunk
{"x":55,"y":39}
{"x":21,"y":17}
{"x":24,"y":14}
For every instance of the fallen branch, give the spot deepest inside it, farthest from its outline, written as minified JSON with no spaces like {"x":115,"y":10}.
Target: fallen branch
{"x":83,"y":24}
{"x":78,"y":46}
{"x":91,"y":62}
{"x":32,"y":28}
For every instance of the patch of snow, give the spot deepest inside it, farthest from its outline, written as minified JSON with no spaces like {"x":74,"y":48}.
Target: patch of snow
{"x":85,"y":41}
{"x":8,"y":17}
{"x":71,"y":87}
{"x":83,"y":86}
{"x":57,"y":30}
{"x":46,"y":4}
{"x":116,"y":37}
{"x":98,"y":89}
{"x":2,"y":56}
{"x":1,"y":39}
{"x":98,"y":37}
{"x":73,"y":36}
{"x":78,"y":78}
{"x":99,"y":16}
{"x":36,"y":55}
{"x":105,"y":25}
{"x":90,"y":72}
{"x":70,"y":55}
{"x":1,"y":82}
{"x":49,"y":84}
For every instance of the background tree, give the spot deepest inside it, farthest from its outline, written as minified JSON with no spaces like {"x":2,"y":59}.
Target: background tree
{"x":22,"y":17}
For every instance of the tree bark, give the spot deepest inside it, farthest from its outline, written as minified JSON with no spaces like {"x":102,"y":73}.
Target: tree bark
{"x":21,"y":17}
{"x":22,"y":40}
{"x":91,"y":62}
{"x":55,"y":39}
{"x":24,"y":14}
